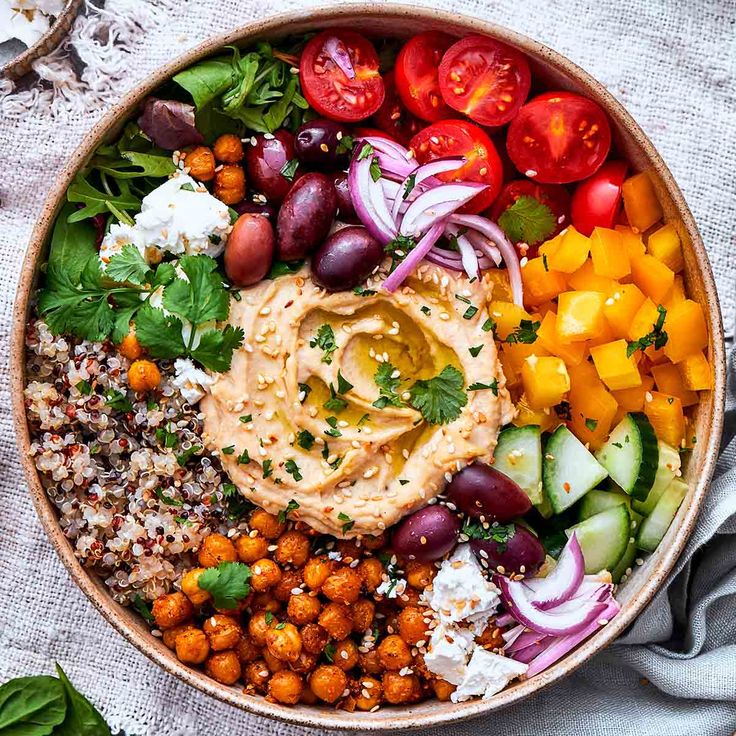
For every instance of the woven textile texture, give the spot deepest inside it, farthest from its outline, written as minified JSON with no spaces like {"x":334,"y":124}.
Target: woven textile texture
{"x":673,"y":64}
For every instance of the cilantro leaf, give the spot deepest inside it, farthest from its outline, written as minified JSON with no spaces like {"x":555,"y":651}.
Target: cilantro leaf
{"x":159,"y":333}
{"x":325,"y":340}
{"x":291,"y":506}
{"x":293,"y":470}
{"x":227,"y":583}
{"x":128,"y":265}
{"x":440,"y":399}
{"x":216,"y":347}
{"x":143,"y":608}
{"x":335,"y":403}
{"x":343,"y":385}
{"x":528,"y":221}
{"x":478,"y":386}
{"x":398,"y":249}
{"x":387,"y":386}
{"x":267,"y":468}
{"x":349,"y":523}
{"x":284,"y":268}
{"x":203,"y":297}
{"x":117,"y":400}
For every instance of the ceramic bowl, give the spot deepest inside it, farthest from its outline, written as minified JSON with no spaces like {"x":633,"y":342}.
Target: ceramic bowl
{"x":397,"y":20}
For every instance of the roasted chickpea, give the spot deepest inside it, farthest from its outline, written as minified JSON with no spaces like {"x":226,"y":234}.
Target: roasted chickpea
{"x":129,"y":347}
{"x":375,"y":542}
{"x":410,"y":597}
{"x":250,"y":549}
{"x":257,"y":628}
{"x":190,"y":586}
{"x":308,"y":696}
{"x":230,"y":184}
{"x":267,"y":525}
{"x":336,"y":619}
{"x":169,"y":636}
{"x":412,"y":627}
{"x":369,"y":693}
{"x":247,"y":650}
{"x":172,"y":610}
{"x":290,"y":579}
{"x":343,"y":586}
{"x":223,"y":632}
{"x":346,"y":654}
{"x":257,"y":675}
{"x":228,"y":148}
{"x":273,"y":663}
{"x":306,"y":662}
{"x":371,"y":571}
{"x":420,"y":574}
{"x":328,"y":682}
{"x":192,"y":646}
{"x":370,"y":662}
{"x":224,"y":667}
{"x":264,"y":575}
{"x":420,"y":667}
{"x":442,"y":689}
{"x":362,"y":611}
{"x":316,"y":571}
{"x":265,"y":602}
{"x":349,"y":549}
{"x":394,"y":653}
{"x":216,"y":548}
{"x":201,"y":163}
{"x":143,"y":375}
{"x":303,"y":609}
{"x":400,"y":688}
{"x":286,"y":687}
{"x":314,"y":638}
{"x":284,"y":641}
{"x":292,"y":548}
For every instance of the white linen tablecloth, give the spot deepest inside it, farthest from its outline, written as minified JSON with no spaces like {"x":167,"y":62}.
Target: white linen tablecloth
{"x":672,"y":63}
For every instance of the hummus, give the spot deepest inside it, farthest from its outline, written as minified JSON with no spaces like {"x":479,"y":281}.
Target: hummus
{"x":353,"y":468}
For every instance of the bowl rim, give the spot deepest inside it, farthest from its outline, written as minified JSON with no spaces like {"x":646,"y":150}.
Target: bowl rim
{"x":123,"y":620}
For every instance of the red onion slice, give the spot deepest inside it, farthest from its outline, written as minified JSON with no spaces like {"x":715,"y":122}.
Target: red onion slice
{"x":493,"y":232}
{"x":436,"y":204}
{"x":387,"y":146}
{"x":336,"y":50}
{"x":423,"y":175}
{"x":414,"y":257}
{"x":481,"y":243}
{"x":512,"y":635}
{"x":505,"y":619}
{"x":563,"y":582}
{"x":369,"y":200}
{"x":525,"y":640}
{"x":467,"y":251}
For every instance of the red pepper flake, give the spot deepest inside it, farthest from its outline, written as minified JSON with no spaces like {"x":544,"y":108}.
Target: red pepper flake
{"x":566,"y":486}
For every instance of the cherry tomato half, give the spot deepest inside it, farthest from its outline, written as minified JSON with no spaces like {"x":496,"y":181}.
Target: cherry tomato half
{"x":559,"y":137}
{"x":416,"y":75}
{"x":485,"y":79}
{"x":461,"y":138}
{"x":597,"y":201}
{"x":392,"y":117}
{"x":556,"y":197}
{"x":327,"y":85}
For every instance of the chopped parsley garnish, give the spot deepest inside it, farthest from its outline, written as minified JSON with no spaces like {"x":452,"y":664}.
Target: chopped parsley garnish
{"x":283,"y":268}
{"x":403,"y":481}
{"x":167,"y":499}
{"x":528,"y":221}
{"x":269,"y":618}
{"x":237,"y":506}
{"x":470,"y":312}
{"x":227,"y":584}
{"x":306,"y":389}
{"x":166,"y":439}
{"x":375,"y":169}
{"x":228,"y":450}
{"x":348,"y":522}
{"x":525,"y":333}
{"x":591,"y":424}
{"x":143,"y":608}
{"x":333,"y":431}
{"x":292,"y":469}
{"x":329,"y":651}
{"x":244,"y":457}
{"x":409,"y":185}
{"x":185,"y":456}
{"x":425,"y":309}
{"x":544,"y":262}
{"x":463,"y":299}
{"x":305,"y":439}
{"x":84,"y":387}
{"x":335,"y":403}
{"x":398,"y":249}
{"x":478,"y":386}
{"x":501,"y":534}
{"x":118,"y":400}
{"x":246,"y":419}
{"x":343,"y":385}
{"x":475,"y":350}
{"x":387,"y":386}
{"x":325,"y":341}
{"x":267,"y":468}
{"x":345,"y":144}
{"x":362,"y":291}
{"x":563,"y":410}
{"x":288,"y":170}
{"x":488,"y":326}
{"x":440,"y":399}
{"x":365,"y":151}
{"x":363,"y":419}
{"x":291,"y":506}
{"x":657,"y":337}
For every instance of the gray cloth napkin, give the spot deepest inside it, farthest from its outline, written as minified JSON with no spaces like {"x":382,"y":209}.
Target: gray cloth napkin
{"x":672,"y":64}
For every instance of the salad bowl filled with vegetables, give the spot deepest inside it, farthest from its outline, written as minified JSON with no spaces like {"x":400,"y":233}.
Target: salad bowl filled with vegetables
{"x":368,"y":379}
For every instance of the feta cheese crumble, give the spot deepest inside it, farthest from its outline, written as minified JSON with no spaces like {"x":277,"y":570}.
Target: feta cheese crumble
{"x":193,"y":382}
{"x":27,"y":20}
{"x":486,"y":674}
{"x":448,"y":652}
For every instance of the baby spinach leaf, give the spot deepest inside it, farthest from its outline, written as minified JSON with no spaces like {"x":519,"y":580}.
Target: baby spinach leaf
{"x":31,"y":706}
{"x":207,"y":80}
{"x":82,"y":718}
{"x":72,"y":243}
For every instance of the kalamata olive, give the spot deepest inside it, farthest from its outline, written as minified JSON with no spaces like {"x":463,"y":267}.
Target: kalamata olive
{"x":317,"y":142}
{"x":265,"y":161}
{"x":346,"y":258}
{"x":427,"y":534}
{"x":246,"y":207}
{"x":306,"y":216}
{"x":249,"y":250}
{"x":481,"y":490}
{"x":514,"y":551}
{"x":345,"y":209}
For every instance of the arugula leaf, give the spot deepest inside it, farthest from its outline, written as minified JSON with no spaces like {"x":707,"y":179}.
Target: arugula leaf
{"x":528,"y":221}
{"x":97,"y":202}
{"x":440,"y":399}
{"x":207,"y":80}
{"x":216,"y":347}
{"x":128,"y":265}
{"x":82,"y":718}
{"x":159,"y":333}
{"x":227,"y":583}
{"x":72,"y":243}
{"x":387,"y":386}
{"x":32,"y":706}
{"x":325,"y":340}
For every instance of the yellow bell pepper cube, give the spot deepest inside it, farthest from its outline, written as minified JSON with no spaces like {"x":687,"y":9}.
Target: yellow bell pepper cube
{"x":687,"y":332}
{"x":550,"y":246}
{"x":580,"y":315}
{"x":608,"y":253}
{"x":621,"y":307}
{"x":507,"y":317}
{"x":571,"y":352}
{"x":697,"y":375}
{"x":665,"y":414}
{"x":545,"y":381}
{"x":632,"y":241}
{"x":615,"y":368}
{"x":640,"y":202}
{"x":498,"y":284}
{"x":652,"y":277}
{"x":592,"y":407}
{"x":605,"y":335}
{"x":540,"y":282}
{"x":632,"y":399}
{"x":570,"y":253}
{"x":664,"y":244}
{"x":677,"y":295}
{"x":644,"y":320}
{"x":518,"y":352}
{"x":669,"y":381}
{"x":510,"y":370}
{"x":586,"y":279}
{"x":544,"y":419}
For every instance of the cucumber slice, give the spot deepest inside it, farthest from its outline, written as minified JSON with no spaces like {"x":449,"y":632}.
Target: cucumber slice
{"x":596,"y":501}
{"x":667,"y":469}
{"x":569,"y":471}
{"x":655,"y":526}
{"x":631,"y":455}
{"x":626,"y":562}
{"x":603,"y":538}
{"x":519,"y":455}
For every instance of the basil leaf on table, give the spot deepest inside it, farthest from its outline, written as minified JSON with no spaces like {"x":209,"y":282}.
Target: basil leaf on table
{"x":82,"y":718}
{"x":31,"y":706}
